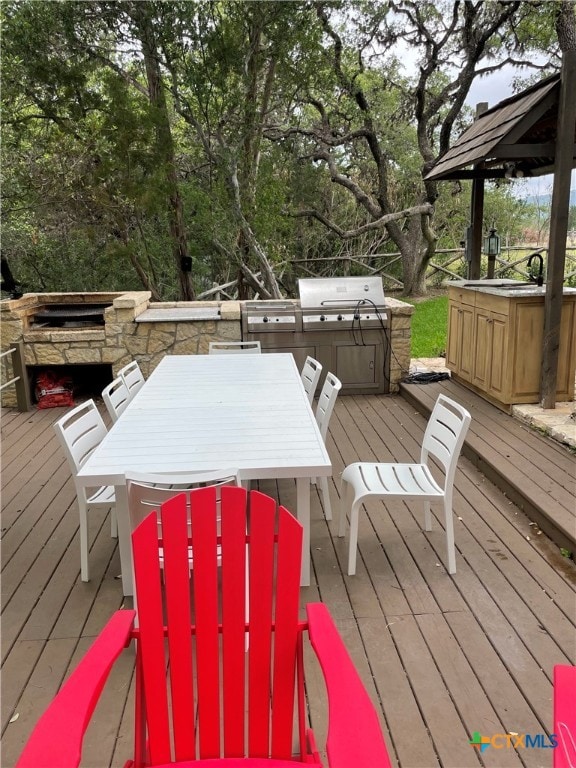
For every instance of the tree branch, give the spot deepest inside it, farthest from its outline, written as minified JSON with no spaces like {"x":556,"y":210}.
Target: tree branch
{"x":346,"y":234}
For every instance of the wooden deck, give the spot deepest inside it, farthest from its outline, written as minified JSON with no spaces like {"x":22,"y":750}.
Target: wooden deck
{"x":443,"y":656}
{"x":537,"y":473}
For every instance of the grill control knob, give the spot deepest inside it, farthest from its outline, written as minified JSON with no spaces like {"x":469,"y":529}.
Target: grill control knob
{"x":356,"y":316}
{"x":264,"y":319}
{"x":322,"y":317}
{"x":340,"y":317}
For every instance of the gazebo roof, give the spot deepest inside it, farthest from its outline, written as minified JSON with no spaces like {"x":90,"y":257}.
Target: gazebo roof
{"x":517,"y":137}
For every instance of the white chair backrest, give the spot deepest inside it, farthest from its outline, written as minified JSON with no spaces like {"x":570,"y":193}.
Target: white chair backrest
{"x":148,"y":492}
{"x":444,"y":435}
{"x":116,"y":397}
{"x":310,"y":376}
{"x":234,"y":347}
{"x":132,"y":377}
{"x":326,"y":401}
{"x":80,"y":432}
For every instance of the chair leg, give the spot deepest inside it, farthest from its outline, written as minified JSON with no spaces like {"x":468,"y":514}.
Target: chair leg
{"x":344,"y":506}
{"x":353,"y":547}
{"x":84,"y":567}
{"x":449,"y":523}
{"x":113,"y":523}
{"x":326,"y":498}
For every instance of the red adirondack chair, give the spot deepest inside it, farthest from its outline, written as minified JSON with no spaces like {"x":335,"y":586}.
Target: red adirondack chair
{"x":202,"y":693}
{"x":565,"y":716}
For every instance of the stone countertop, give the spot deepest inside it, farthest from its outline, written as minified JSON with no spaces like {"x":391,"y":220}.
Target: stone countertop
{"x":190,"y":311}
{"x":505,"y":288}
{"x":178,"y":314}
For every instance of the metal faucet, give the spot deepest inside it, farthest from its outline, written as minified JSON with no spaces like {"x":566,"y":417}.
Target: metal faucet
{"x":539,"y":279}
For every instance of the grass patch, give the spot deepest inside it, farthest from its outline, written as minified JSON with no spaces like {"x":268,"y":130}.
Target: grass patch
{"x":429,"y":327}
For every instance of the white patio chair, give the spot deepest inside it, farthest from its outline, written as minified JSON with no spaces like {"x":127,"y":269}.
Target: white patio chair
{"x":443,"y":440}
{"x":326,"y":401}
{"x":234,"y":347}
{"x":132,"y":377}
{"x":311,"y":372}
{"x":116,"y":397}
{"x":148,"y":492}
{"x":80,"y":432}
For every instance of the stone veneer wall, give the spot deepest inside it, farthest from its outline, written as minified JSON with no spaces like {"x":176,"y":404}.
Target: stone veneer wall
{"x":400,"y":340}
{"x":122,"y":339}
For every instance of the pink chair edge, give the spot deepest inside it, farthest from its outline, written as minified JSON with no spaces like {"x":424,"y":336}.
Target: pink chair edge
{"x":76,"y":700}
{"x":565,"y":715}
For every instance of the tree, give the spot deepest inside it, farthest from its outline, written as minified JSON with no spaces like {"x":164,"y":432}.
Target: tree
{"x":140,"y":137}
{"x":453,"y":42}
{"x":92,"y":138}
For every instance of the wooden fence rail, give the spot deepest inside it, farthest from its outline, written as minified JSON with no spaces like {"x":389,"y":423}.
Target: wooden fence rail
{"x":438,"y":268}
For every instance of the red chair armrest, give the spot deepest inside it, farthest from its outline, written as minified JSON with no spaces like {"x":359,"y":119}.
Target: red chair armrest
{"x":354,"y":733}
{"x":57,"y":738}
{"x":565,"y":715}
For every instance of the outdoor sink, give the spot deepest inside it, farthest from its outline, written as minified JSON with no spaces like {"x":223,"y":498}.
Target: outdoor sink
{"x":519,"y":288}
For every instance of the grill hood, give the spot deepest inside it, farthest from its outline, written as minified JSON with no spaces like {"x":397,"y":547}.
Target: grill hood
{"x":340,"y":292}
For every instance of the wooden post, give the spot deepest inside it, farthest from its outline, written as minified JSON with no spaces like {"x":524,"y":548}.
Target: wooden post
{"x":476,"y":214}
{"x":22,"y":385}
{"x":477,"y":209}
{"x":558,"y":229}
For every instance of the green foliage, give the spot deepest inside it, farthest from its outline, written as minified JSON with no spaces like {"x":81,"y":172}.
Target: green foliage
{"x":84,"y":161}
{"x":429,"y":327}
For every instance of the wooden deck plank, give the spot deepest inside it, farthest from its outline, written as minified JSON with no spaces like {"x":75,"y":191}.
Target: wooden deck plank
{"x":446,"y":729}
{"x":441,"y":655}
{"x":399,"y":704}
{"x":469,"y":698}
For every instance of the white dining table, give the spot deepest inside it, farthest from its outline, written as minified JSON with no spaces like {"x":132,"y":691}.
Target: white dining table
{"x":247,"y":412}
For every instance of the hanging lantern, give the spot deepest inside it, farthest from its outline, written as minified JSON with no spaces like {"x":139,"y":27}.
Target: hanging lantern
{"x":492,"y":243}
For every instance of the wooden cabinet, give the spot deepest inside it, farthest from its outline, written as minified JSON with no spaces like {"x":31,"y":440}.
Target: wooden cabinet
{"x":490,"y":351}
{"x":495,"y":344}
{"x":459,"y":347}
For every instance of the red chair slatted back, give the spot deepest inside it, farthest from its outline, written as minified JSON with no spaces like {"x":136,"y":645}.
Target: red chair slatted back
{"x":206,"y":643}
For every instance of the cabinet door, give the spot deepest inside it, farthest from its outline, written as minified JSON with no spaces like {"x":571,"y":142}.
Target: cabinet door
{"x":498,"y":373}
{"x":490,"y":352}
{"x":466,"y":342}
{"x":459,"y":347}
{"x":528,"y":339}
{"x":453,"y":340}
{"x":356,"y":364}
{"x":567,"y":353}
{"x":482,"y":348}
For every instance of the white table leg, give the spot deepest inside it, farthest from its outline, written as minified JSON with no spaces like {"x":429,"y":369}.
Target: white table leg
{"x":124,"y":543}
{"x":303,"y":515}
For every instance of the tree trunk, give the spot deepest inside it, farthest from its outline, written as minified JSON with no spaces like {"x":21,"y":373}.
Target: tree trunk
{"x":165,"y":147}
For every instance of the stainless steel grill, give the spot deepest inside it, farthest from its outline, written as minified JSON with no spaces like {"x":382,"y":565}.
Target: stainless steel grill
{"x":342,"y":322}
{"x":334,"y":303}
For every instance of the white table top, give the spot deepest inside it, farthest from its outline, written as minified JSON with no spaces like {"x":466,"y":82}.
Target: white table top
{"x":206,"y":412}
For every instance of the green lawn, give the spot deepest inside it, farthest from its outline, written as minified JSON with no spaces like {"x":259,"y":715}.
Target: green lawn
{"x":429,"y":327}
